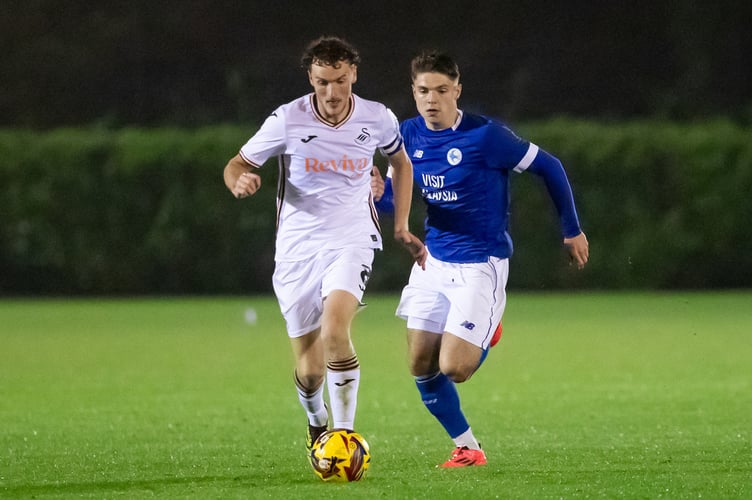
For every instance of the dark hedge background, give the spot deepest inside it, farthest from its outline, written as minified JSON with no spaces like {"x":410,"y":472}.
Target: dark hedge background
{"x":88,"y":211}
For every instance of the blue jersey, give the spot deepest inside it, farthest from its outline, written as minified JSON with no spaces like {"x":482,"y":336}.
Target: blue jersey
{"x":463,"y":175}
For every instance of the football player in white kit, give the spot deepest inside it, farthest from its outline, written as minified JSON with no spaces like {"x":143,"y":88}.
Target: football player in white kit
{"x":327,"y":226}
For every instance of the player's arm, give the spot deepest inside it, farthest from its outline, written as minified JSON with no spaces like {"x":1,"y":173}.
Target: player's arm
{"x":383,"y":194}
{"x":402,"y":189}
{"x":239,"y":177}
{"x":377,"y":184}
{"x":240,"y":172}
{"x":552,"y":171}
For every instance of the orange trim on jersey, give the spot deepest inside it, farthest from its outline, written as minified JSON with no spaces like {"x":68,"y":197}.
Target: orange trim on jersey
{"x":320,"y":118}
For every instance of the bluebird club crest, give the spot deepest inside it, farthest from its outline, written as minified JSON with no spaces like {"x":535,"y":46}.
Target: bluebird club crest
{"x":454,"y":156}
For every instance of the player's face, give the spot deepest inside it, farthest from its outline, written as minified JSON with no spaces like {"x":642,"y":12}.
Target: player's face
{"x":333,"y":88}
{"x":436,"y":99}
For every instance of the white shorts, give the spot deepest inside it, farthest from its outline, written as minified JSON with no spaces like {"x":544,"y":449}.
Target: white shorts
{"x":466,"y":300}
{"x":302,"y":286}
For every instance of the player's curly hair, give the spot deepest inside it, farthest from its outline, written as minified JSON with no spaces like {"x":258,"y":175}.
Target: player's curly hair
{"x":433,"y":61}
{"x":329,"y":51}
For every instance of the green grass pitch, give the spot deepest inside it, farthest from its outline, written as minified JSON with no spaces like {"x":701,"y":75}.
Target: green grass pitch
{"x":588,"y":395}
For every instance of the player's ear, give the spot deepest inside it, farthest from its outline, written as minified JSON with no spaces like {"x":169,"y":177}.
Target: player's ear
{"x":354,"y":68}
{"x":459,"y":91}
{"x":310,"y":78}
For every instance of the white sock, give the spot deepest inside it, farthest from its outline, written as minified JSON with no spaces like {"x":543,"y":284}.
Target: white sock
{"x":313,"y":403}
{"x":343,"y":380}
{"x":467,"y":439}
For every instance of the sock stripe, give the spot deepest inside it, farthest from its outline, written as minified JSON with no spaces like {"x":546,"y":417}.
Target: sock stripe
{"x":306,"y":391}
{"x":422,"y":379}
{"x":344,"y":365}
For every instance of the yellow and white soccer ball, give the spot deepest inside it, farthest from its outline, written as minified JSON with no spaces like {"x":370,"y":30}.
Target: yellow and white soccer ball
{"x":340,"y":455}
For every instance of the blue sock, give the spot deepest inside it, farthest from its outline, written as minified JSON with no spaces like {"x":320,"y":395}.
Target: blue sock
{"x":440,"y":396}
{"x":483,"y":356}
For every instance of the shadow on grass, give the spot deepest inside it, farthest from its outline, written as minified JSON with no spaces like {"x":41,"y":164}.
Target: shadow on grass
{"x":80,"y":488}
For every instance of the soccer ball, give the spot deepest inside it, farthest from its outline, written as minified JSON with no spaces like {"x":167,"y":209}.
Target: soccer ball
{"x":340,"y":455}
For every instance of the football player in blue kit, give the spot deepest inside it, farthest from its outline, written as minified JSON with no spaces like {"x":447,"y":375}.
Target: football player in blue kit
{"x":453,"y":307}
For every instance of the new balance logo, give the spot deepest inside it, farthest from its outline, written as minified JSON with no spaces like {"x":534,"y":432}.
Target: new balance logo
{"x":468,"y":325}
{"x":308,"y":139}
{"x":344,"y":382}
{"x":418,"y":153}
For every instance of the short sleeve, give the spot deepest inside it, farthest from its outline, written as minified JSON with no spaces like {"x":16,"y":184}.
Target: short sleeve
{"x":270,"y":140}
{"x":393,"y":138}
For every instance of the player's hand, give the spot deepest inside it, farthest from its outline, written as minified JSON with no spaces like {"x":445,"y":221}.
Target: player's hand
{"x":413,"y":244}
{"x":246,"y":185}
{"x":578,"y":249}
{"x":377,"y":184}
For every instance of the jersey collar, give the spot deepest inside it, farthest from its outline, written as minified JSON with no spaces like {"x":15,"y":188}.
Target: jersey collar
{"x":320,"y":118}
{"x":458,"y":120}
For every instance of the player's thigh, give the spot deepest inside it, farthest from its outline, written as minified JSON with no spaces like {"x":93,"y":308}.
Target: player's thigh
{"x":458,"y":358}
{"x":339,"y":310}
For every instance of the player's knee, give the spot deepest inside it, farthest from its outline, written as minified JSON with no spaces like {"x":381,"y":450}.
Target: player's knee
{"x":309,"y":382}
{"x":335,"y":337}
{"x":458,"y":373}
{"x":418,"y":369}
{"x":422,"y":364}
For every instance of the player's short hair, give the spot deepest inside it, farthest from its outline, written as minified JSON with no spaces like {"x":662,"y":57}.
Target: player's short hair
{"x":433,"y":61}
{"x":329,"y":51}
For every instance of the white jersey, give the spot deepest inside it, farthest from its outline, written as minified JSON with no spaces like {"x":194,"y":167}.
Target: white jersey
{"x":324,"y":193}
